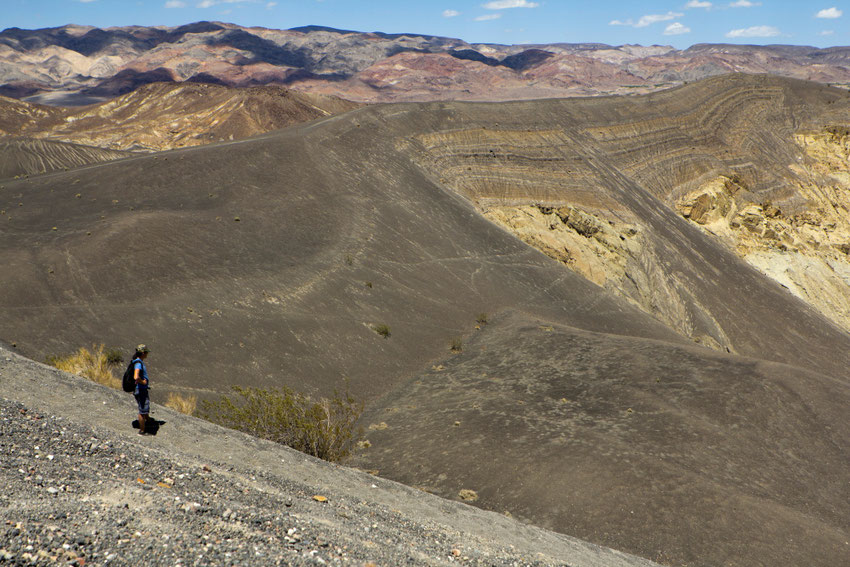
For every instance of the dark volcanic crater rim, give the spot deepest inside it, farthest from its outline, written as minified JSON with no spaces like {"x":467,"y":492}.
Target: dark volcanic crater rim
{"x":275,"y":259}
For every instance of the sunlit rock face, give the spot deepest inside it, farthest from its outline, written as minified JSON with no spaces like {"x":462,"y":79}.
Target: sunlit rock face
{"x":806,"y":250}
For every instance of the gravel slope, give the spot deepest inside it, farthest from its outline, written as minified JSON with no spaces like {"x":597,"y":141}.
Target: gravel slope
{"x":79,"y":487}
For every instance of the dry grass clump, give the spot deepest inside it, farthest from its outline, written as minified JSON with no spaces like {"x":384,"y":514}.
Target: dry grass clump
{"x":96,"y":364}
{"x":181,"y":403}
{"x":468,"y":495}
{"x":323,"y":428}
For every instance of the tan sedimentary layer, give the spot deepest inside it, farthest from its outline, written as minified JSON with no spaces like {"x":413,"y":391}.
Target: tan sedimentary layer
{"x":507,"y":166}
{"x":807,"y":251}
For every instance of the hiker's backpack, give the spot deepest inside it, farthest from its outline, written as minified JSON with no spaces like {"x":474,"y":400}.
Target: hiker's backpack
{"x":128,"y":382}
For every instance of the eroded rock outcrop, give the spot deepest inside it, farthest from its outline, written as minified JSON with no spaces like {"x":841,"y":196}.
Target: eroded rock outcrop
{"x":806,"y":250}
{"x":614,"y":254}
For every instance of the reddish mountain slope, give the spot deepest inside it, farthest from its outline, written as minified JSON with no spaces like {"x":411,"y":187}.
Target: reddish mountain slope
{"x":373,"y":66}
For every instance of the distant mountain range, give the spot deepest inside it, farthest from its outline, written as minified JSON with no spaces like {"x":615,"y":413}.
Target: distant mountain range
{"x":82,"y":64}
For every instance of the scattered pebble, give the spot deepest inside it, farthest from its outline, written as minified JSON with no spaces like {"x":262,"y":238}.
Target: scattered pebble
{"x":159,"y":507}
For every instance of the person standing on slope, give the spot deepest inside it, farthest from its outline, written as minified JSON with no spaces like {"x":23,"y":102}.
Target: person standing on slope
{"x":140,"y":375}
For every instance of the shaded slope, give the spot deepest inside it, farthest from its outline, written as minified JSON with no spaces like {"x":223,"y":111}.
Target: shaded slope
{"x":269,"y":261}
{"x":17,"y":117}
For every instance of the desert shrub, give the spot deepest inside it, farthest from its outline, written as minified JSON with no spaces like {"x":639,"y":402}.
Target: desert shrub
{"x":382,"y":329}
{"x":457,"y":344}
{"x":92,"y":364}
{"x":183,"y":404}
{"x":482,"y":319}
{"x":324,"y":428}
{"x":114,"y":356}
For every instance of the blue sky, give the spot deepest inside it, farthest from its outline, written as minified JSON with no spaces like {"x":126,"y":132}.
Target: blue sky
{"x":680,"y":23}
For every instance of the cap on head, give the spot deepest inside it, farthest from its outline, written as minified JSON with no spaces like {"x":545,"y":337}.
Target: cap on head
{"x":143,"y":349}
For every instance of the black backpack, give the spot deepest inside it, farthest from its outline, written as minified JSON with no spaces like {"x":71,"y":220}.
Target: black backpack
{"x":128,"y":382}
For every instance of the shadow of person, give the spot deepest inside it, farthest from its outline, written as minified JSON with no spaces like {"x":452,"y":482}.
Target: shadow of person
{"x":152,"y":425}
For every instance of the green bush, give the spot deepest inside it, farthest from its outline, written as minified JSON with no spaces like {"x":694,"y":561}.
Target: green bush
{"x":382,"y":329}
{"x":323,"y":428}
{"x":114,"y":356}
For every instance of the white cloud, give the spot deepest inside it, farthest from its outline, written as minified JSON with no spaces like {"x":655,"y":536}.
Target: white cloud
{"x":676,"y":28}
{"x":744,"y":4}
{"x":450,"y":13}
{"x":488,"y":17}
{"x":830,"y":13}
{"x":826,"y":32}
{"x":86,"y":1}
{"x":211,"y":3}
{"x":270,"y":5}
{"x":505,"y":4}
{"x":175,"y":4}
{"x":653,"y":18}
{"x":698,"y":4}
{"x":647,"y":20}
{"x":755,"y":31}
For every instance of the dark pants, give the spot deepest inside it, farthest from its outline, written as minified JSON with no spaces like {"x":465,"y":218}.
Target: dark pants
{"x":144,"y":402}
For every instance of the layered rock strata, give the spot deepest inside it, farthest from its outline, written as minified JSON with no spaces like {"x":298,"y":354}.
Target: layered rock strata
{"x":747,"y":168}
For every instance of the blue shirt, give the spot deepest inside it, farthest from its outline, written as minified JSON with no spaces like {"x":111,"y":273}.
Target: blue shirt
{"x":143,"y":374}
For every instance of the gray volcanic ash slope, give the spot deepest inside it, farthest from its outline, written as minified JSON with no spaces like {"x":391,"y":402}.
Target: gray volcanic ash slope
{"x":22,"y":156}
{"x":630,"y":443}
{"x":80,"y":488}
{"x":271,"y":260}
